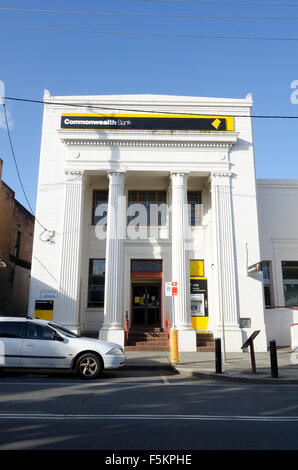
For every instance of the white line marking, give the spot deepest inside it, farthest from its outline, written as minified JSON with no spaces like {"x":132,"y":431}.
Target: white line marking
{"x":165,"y":380}
{"x":37,"y":416}
{"x":76,"y":384}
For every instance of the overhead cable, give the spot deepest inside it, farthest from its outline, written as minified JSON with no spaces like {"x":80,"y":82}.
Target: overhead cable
{"x":139,"y":110}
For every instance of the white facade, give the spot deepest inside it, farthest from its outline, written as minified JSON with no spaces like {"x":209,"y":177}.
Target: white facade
{"x":219,"y":164}
{"x":278,"y":209}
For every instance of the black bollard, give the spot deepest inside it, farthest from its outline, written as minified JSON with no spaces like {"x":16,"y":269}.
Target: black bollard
{"x":273,"y":359}
{"x":218,"y":364}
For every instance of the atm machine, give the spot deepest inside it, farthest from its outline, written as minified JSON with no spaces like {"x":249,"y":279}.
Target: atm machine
{"x":199,"y":300}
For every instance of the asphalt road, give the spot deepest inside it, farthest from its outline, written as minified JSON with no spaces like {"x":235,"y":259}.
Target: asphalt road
{"x":152,"y":410}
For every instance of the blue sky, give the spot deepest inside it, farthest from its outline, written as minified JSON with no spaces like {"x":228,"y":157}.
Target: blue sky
{"x":83,"y":63}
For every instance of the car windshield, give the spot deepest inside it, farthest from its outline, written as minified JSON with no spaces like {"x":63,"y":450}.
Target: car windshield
{"x":63,"y":330}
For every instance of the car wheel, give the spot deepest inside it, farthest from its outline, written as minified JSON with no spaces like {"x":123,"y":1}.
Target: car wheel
{"x":88,"y":366}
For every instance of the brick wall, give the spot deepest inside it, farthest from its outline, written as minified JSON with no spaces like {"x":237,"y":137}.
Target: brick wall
{"x":14,"y":279}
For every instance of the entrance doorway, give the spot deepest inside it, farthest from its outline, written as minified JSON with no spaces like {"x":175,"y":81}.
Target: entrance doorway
{"x":146,"y":304}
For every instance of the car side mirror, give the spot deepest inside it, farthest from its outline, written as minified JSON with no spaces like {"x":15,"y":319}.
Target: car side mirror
{"x":56,"y":337}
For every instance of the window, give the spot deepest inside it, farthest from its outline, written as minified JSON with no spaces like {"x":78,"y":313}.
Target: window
{"x":290,"y":282}
{"x":65,"y":331}
{"x":194,"y":205}
{"x":146,"y":266}
{"x":11,"y":329}
{"x":35,"y":331}
{"x":96,"y":285}
{"x":152,"y":210}
{"x":268,"y":294}
{"x":99,"y":205}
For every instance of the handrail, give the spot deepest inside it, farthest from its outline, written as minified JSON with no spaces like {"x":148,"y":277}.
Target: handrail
{"x":167,"y":325}
{"x":126,"y":325}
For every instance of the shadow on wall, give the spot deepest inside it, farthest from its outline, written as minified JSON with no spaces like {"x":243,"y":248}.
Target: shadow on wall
{"x":14,"y":290}
{"x":46,"y":302}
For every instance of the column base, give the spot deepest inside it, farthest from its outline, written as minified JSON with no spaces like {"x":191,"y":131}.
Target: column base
{"x":113,"y":335}
{"x":187,"y":340}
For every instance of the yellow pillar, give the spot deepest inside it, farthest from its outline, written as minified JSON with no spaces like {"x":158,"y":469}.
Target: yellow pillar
{"x":174,"y":349}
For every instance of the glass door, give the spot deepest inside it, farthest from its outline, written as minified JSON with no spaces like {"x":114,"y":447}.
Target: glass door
{"x":146,"y":304}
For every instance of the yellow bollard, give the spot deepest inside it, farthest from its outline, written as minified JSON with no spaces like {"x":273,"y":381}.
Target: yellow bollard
{"x":174,"y":349}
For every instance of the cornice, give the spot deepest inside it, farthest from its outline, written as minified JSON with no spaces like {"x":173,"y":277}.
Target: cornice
{"x":147,"y":139}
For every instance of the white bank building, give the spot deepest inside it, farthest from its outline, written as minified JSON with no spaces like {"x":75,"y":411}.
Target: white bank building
{"x":139,"y":191}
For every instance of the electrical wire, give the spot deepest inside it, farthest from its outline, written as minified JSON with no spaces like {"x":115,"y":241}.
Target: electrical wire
{"x":135,"y":33}
{"x":150,"y":15}
{"x":17,"y":168}
{"x":112,"y":108}
{"x":242,"y":4}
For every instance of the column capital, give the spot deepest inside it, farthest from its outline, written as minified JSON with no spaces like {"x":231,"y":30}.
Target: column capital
{"x":115,"y":172}
{"x":221,"y":178}
{"x":179,"y":177}
{"x":74,"y":176}
{"x":178,"y":173}
{"x":116,"y":176}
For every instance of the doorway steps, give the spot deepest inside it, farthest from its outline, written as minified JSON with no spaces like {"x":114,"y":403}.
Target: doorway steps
{"x":205,"y":342}
{"x":155,"y":339}
{"x":141,"y":338}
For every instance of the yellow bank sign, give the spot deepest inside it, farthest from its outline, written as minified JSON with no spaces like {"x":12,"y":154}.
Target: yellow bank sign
{"x":183,"y":122}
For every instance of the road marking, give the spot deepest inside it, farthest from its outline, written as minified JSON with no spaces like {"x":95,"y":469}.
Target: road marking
{"x":94,"y":384}
{"x":165,"y":380}
{"x":71,"y":417}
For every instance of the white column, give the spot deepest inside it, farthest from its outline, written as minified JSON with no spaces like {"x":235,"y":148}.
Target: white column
{"x":180,"y":263}
{"x":69,"y":301}
{"x":113,"y":327}
{"x":225,"y":321}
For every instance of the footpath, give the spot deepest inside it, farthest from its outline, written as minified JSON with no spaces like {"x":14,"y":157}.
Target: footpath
{"x":236,"y":366}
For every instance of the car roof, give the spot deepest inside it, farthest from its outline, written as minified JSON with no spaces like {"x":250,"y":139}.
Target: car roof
{"x":17,"y":319}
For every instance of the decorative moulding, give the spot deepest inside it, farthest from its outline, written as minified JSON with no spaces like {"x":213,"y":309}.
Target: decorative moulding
{"x":144,"y":139}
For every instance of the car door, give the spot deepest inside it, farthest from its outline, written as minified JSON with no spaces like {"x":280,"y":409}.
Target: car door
{"x":11,"y":333}
{"x":42,"y":348}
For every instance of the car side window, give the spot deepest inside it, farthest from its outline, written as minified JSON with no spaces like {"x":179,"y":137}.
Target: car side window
{"x":11,"y":329}
{"x":34,"y":331}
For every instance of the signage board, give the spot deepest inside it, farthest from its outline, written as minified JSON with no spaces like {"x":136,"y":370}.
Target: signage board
{"x":184,"y":122}
{"x":44,"y":309}
{"x":254,"y":268}
{"x":48,"y":294}
{"x":171,"y":288}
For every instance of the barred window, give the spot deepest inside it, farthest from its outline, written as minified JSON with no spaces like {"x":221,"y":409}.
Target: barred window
{"x":268,"y":293}
{"x":152,"y":212}
{"x":290,"y":282}
{"x":146,"y":266}
{"x":194,"y":206}
{"x":99,"y":205}
{"x":96,"y":285}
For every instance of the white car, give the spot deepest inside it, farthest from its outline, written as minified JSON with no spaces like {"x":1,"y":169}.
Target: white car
{"x":40,"y":344}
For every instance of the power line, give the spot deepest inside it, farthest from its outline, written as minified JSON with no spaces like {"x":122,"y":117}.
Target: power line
{"x":242,"y":4}
{"x":150,"y":15}
{"x":16,"y":165}
{"x":135,"y":33}
{"x":110,"y":108}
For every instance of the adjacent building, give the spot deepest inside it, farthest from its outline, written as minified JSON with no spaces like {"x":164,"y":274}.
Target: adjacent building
{"x":139,"y":191}
{"x":16,"y":242}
